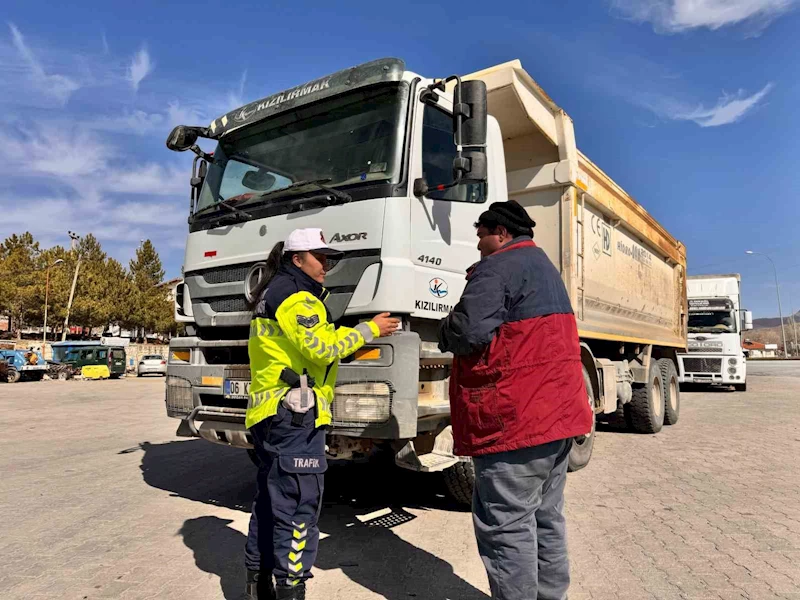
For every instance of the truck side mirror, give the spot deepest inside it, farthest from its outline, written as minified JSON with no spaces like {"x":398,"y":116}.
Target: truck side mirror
{"x":182,"y":138}
{"x":470,"y":117}
{"x":748,"y":320}
{"x":471,"y":107}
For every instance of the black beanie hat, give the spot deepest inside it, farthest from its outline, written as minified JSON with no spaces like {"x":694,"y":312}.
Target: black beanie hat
{"x":510,"y":215}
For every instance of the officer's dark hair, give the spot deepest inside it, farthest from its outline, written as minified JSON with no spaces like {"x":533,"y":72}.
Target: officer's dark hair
{"x":275,"y":259}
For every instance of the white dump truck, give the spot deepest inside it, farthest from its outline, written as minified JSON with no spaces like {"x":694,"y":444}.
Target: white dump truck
{"x":396,"y":168}
{"x":716,"y":324}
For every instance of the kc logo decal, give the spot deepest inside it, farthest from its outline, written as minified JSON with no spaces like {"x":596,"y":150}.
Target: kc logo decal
{"x":438,"y":287}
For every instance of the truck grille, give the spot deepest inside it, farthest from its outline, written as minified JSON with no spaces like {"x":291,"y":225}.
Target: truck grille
{"x":179,"y":396}
{"x":223,"y":304}
{"x":706,"y":350}
{"x":702,"y":365}
{"x":227,"y":274}
{"x":237,"y":372}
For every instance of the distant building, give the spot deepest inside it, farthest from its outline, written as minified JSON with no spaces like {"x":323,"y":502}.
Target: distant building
{"x":172,"y":284}
{"x":759,"y":350}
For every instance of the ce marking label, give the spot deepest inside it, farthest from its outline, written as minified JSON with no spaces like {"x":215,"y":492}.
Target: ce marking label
{"x":602,"y":230}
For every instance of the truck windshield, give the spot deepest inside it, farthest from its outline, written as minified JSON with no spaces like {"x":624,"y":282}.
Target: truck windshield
{"x":352,"y":139}
{"x":718,"y":321}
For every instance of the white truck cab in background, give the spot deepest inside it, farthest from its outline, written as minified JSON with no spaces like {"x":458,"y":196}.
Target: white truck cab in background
{"x":716,"y":323}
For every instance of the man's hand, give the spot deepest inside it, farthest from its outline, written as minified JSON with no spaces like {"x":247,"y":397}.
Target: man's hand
{"x":388,"y":325}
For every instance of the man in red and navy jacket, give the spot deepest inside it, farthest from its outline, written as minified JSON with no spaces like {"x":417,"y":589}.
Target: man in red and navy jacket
{"x":517,"y":398}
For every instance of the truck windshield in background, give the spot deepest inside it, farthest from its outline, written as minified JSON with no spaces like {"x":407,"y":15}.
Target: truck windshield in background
{"x":718,"y":321}
{"x":349,"y":140}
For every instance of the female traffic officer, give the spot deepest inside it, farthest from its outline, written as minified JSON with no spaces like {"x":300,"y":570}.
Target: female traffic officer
{"x":294,"y":352}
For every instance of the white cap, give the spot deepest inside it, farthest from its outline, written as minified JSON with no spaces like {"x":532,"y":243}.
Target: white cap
{"x":309,"y":239}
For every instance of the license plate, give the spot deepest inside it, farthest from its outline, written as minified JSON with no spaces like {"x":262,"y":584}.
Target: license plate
{"x":236,"y":388}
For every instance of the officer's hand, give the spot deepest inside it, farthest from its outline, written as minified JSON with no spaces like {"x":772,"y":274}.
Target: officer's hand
{"x":388,"y":325}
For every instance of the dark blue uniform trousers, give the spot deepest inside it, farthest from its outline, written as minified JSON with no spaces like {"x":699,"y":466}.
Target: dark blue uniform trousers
{"x":283,"y":536}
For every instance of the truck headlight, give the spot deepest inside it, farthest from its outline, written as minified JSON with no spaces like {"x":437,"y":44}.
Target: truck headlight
{"x":732,"y":361}
{"x":732,"y":371}
{"x":362,"y":403}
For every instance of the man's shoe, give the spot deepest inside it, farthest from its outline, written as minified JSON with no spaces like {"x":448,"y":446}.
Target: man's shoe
{"x":291,"y":592}
{"x":259,"y":586}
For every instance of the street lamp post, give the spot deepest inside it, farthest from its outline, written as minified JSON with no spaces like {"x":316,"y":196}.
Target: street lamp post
{"x":778,"y":291}
{"x":74,"y":237}
{"x":46,"y":292}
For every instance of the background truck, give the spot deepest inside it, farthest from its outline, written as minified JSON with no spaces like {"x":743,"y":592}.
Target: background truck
{"x":25,"y":365}
{"x":716,"y":323}
{"x":370,"y":154}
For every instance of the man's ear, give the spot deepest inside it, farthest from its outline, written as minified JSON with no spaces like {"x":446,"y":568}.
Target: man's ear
{"x":503,"y":232}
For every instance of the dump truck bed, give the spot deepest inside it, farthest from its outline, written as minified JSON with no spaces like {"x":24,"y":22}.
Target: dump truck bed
{"x":626,"y":274}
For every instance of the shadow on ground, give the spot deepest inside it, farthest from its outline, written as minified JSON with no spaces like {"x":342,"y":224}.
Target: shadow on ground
{"x":366,"y":550}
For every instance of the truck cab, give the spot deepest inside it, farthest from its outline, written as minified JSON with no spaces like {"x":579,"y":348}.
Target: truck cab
{"x":715,"y":326}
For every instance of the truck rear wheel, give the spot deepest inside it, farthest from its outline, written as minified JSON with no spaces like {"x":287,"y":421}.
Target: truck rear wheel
{"x":460,"y":479}
{"x":672,"y":392}
{"x":582,"y":446}
{"x":645,"y":412}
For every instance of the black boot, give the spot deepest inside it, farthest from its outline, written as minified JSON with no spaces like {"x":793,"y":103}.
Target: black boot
{"x":259,"y":585}
{"x":291,"y":592}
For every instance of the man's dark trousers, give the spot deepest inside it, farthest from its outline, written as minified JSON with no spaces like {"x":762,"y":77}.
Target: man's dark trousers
{"x":518,"y":513}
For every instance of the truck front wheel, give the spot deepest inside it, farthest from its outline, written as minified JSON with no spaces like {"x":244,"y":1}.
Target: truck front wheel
{"x":459,"y":480}
{"x":740,"y":387}
{"x":582,"y":446}
{"x":13,"y":376}
{"x":645,"y":412}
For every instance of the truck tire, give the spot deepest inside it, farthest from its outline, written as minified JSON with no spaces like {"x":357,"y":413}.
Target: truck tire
{"x":740,"y":387}
{"x":13,"y":376}
{"x":645,"y":412}
{"x":672,"y":392}
{"x":459,"y":480}
{"x":582,"y":446}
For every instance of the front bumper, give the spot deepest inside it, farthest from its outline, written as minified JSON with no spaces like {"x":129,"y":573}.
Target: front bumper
{"x":711,"y":369}
{"x":195,"y":393}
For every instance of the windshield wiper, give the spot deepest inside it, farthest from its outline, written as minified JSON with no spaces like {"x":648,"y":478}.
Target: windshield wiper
{"x":225,"y":204}
{"x":344,"y":197}
{"x":235,"y":210}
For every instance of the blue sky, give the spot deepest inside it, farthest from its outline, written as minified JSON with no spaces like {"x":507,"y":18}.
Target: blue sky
{"x":690,"y":105}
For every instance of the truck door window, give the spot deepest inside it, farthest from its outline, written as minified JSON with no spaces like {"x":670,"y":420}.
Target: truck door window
{"x":438,"y":152}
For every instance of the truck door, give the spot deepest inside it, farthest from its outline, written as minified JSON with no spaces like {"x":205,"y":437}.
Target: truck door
{"x":444,"y":244}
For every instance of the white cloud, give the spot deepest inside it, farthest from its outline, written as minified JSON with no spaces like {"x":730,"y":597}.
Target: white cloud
{"x":58,"y":87}
{"x":236,"y":99}
{"x":148,"y":179}
{"x":136,"y":122}
{"x":730,"y":108}
{"x":672,"y":16}
{"x":140,"y":67}
{"x":54,"y":151}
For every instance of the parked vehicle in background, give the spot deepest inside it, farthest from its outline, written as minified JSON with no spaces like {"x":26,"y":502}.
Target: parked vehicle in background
{"x":716,"y":324}
{"x":58,"y":370}
{"x":24,"y":365}
{"x":152,"y":364}
{"x":4,"y":370}
{"x":82,"y":354}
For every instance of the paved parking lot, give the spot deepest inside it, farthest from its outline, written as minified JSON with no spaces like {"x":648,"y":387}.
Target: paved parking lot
{"x":99,"y":499}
